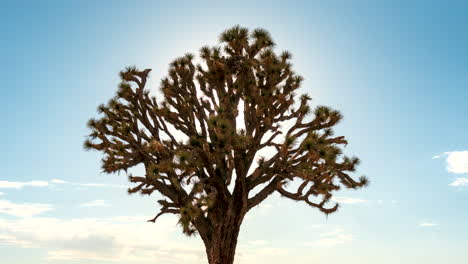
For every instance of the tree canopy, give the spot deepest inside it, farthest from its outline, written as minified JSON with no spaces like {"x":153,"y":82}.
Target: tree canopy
{"x":200,"y":140}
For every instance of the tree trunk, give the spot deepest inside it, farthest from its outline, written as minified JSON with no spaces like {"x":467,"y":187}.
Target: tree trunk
{"x":222,"y":247}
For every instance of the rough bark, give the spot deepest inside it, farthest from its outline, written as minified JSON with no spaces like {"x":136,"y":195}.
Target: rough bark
{"x":222,"y":247}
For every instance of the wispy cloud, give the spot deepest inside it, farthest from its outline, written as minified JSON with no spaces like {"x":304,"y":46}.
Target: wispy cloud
{"x":99,"y":185}
{"x":460,"y":182}
{"x":348,"y":200}
{"x":333,"y":238}
{"x":19,"y":185}
{"x":128,"y":239}
{"x":23,"y":209}
{"x":2,"y":193}
{"x":95,"y":203}
{"x":428,"y":224}
{"x":58,"y":181}
{"x":380,"y":202}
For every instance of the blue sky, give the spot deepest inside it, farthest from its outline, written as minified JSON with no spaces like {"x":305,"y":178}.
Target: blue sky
{"x":397,"y":71}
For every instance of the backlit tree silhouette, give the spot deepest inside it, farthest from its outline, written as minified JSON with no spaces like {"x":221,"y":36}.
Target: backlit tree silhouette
{"x":200,"y":142}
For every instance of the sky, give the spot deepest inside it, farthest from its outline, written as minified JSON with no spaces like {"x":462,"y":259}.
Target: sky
{"x":397,"y":71}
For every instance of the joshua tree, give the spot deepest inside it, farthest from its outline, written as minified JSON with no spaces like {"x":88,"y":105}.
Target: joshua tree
{"x":200,"y":144}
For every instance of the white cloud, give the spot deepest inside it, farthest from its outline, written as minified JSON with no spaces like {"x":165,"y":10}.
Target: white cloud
{"x":91,"y":184}
{"x":99,"y":185}
{"x":428,"y":224}
{"x":95,"y":203}
{"x":348,"y":200}
{"x":457,"y":161}
{"x":58,"y":181}
{"x":393,"y":202}
{"x":460,"y":182}
{"x":19,"y":185}
{"x":128,"y":239}
{"x":2,"y":193}
{"x":333,"y":238}
{"x":24,"y":209}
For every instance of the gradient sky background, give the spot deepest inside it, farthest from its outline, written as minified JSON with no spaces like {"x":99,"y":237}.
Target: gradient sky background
{"x":398,"y":71}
